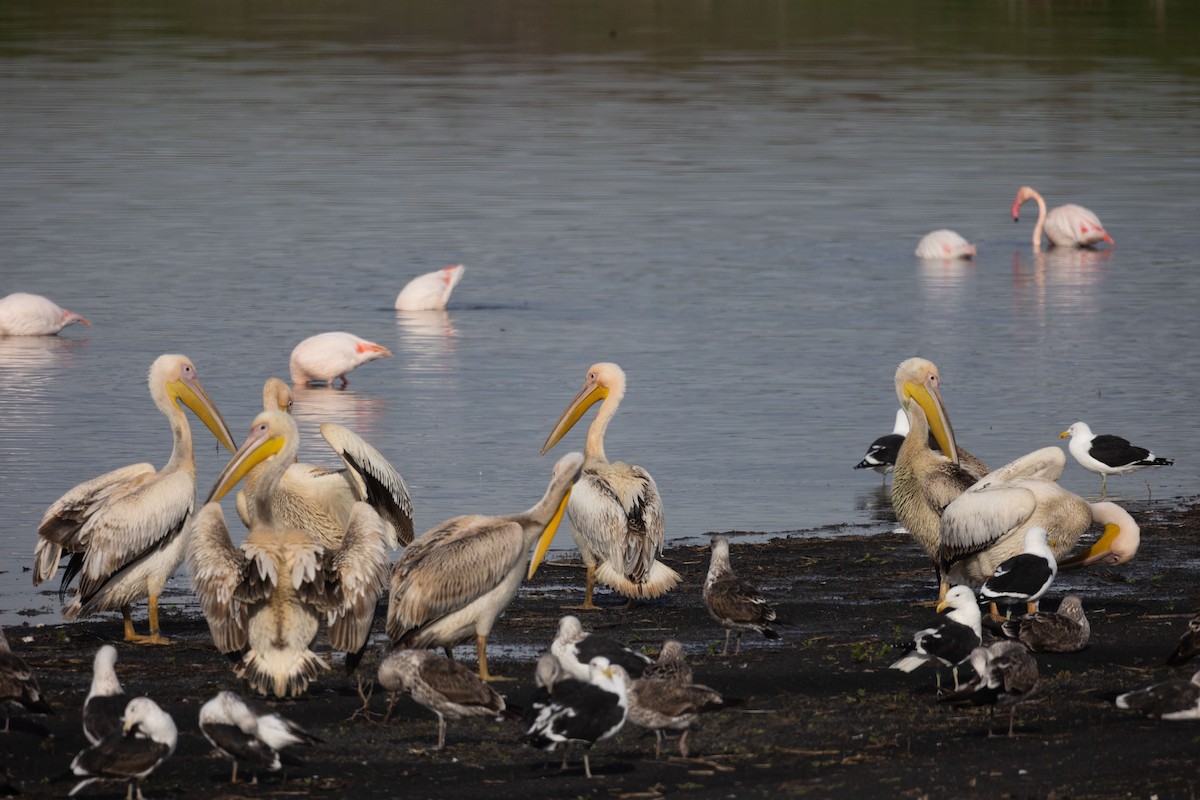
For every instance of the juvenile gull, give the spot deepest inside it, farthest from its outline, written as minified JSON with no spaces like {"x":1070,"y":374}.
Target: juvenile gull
{"x":1063,"y":631}
{"x":445,"y":687}
{"x":575,"y":648}
{"x":106,"y":700}
{"x":146,"y":738}
{"x":671,"y":664}
{"x":661,"y":704}
{"x":1172,"y":699}
{"x":18,"y":685}
{"x":1106,"y":454}
{"x":1005,"y":676}
{"x":735,"y":604}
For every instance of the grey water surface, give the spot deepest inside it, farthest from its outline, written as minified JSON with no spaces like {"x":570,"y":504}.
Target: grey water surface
{"x":723,"y":198}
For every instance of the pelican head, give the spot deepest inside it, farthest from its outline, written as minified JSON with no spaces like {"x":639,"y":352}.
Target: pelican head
{"x":917,"y":380}
{"x":603,"y":380}
{"x":566,"y":472}
{"x":1119,"y":543}
{"x":277,"y":395}
{"x":272,"y":433}
{"x":173,"y":378}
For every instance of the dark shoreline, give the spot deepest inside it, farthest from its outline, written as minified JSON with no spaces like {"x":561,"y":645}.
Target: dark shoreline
{"x":822,"y":716}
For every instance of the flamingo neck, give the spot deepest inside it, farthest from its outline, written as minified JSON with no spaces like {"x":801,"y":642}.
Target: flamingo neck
{"x":1041,"y":221}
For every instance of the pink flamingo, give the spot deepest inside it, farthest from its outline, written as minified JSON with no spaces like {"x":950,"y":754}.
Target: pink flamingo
{"x":24,"y":314}
{"x":1065,"y":226}
{"x":944,"y":244}
{"x":431,"y":291}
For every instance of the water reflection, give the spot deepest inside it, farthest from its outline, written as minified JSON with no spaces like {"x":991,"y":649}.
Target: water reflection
{"x":29,"y":365}
{"x":428,"y":339}
{"x":944,"y":281}
{"x":312,"y":405}
{"x":1058,"y":279}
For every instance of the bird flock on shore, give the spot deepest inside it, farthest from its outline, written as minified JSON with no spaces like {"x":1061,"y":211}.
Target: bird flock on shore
{"x":317,"y":554}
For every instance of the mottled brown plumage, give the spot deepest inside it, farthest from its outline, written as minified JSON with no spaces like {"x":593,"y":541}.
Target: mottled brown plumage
{"x":1063,"y":631}
{"x":735,"y":604}
{"x":18,"y":685}
{"x":661,"y":704}
{"x":445,"y":687}
{"x":1189,"y":644}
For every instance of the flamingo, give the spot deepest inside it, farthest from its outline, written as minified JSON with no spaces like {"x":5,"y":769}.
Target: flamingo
{"x":431,"y":291}
{"x":327,"y":357}
{"x":1065,"y":226}
{"x":944,"y":244}
{"x":23,"y":314}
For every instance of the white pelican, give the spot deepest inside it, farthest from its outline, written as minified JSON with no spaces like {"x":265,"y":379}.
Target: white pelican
{"x":986,"y":524}
{"x":106,"y":700}
{"x":264,"y":600}
{"x":127,"y":529}
{"x":251,"y":736}
{"x":23,"y":314}
{"x":1005,"y":676}
{"x":615,"y":509}
{"x":733,"y":603}
{"x":18,"y":685}
{"x":445,"y":687}
{"x":1065,"y":226}
{"x":1106,"y":454}
{"x":146,"y":738}
{"x":317,"y":500}
{"x":1066,"y":630}
{"x":455,"y":580}
{"x":944,"y":244}
{"x":925,"y":481}
{"x":581,"y":712}
{"x":328,"y":357}
{"x":431,"y":291}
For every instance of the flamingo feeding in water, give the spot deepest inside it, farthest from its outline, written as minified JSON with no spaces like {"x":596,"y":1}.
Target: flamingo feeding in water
{"x":1065,"y":226}
{"x":327,"y":357}
{"x":431,"y":291}
{"x":23,"y":314}
{"x":944,"y":244}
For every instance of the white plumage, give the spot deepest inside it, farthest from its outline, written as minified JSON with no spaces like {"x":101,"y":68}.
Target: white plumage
{"x":1065,"y":226}
{"x":328,"y":357}
{"x":146,"y":738}
{"x":23,"y":314}
{"x":1106,"y":454}
{"x":431,"y":291}
{"x":944,"y":244}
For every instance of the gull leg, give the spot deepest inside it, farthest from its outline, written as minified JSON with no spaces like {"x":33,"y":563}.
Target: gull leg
{"x":738,"y":643}
{"x":658,"y":737}
{"x":1103,"y":485}
{"x":393,"y":698}
{"x":587,"y":767}
{"x":441,"y":732}
{"x":233,"y":775}
{"x":683,"y":748}
{"x":725,"y":652}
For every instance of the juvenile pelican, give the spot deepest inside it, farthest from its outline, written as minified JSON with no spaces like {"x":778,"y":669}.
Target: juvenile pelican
{"x":431,"y":291}
{"x":925,"y":481}
{"x":455,"y":580}
{"x":318,"y":500}
{"x":23,"y":314}
{"x":327,"y":357}
{"x":127,"y":530}
{"x":615,"y":510}
{"x":986,"y":524}
{"x":264,"y":600}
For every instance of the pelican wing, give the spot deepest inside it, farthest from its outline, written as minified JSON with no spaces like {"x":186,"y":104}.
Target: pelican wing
{"x":616,"y":507}
{"x":646,"y":527}
{"x":64,"y":522}
{"x":449,"y":567}
{"x":1046,"y":464}
{"x":376,"y":481}
{"x":981,"y":515}
{"x":943,"y":485}
{"x":219,"y":575}
{"x":146,"y":518}
{"x":354,"y":579}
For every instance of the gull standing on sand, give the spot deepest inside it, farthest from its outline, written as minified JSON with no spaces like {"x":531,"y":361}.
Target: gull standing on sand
{"x":615,"y":510}
{"x":659,"y":701}
{"x":1106,"y":454}
{"x":951,"y":640}
{"x":23,"y":314}
{"x":318,"y":500}
{"x":1066,"y":630}
{"x":106,"y":700}
{"x":329,"y":357}
{"x":265,"y":600}
{"x":146,"y":738}
{"x":257,"y":738}
{"x":128,"y":530}
{"x":431,"y":291}
{"x":18,"y":685}
{"x":734,"y":604}
{"x":1005,"y":676}
{"x":583,"y":713}
{"x":454,"y":581}
{"x":445,"y":687}
{"x":1025,"y":577}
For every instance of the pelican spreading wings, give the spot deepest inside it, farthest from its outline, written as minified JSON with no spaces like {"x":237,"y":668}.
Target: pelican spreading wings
{"x":986,"y":524}
{"x":127,"y":530}
{"x":925,"y":480}
{"x":616,"y":510}
{"x":455,"y":580}
{"x":318,"y":500}
{"x":264,"y":600}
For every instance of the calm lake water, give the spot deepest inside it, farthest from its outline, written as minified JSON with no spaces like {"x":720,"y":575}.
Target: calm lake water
{"x":723,"y":198}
